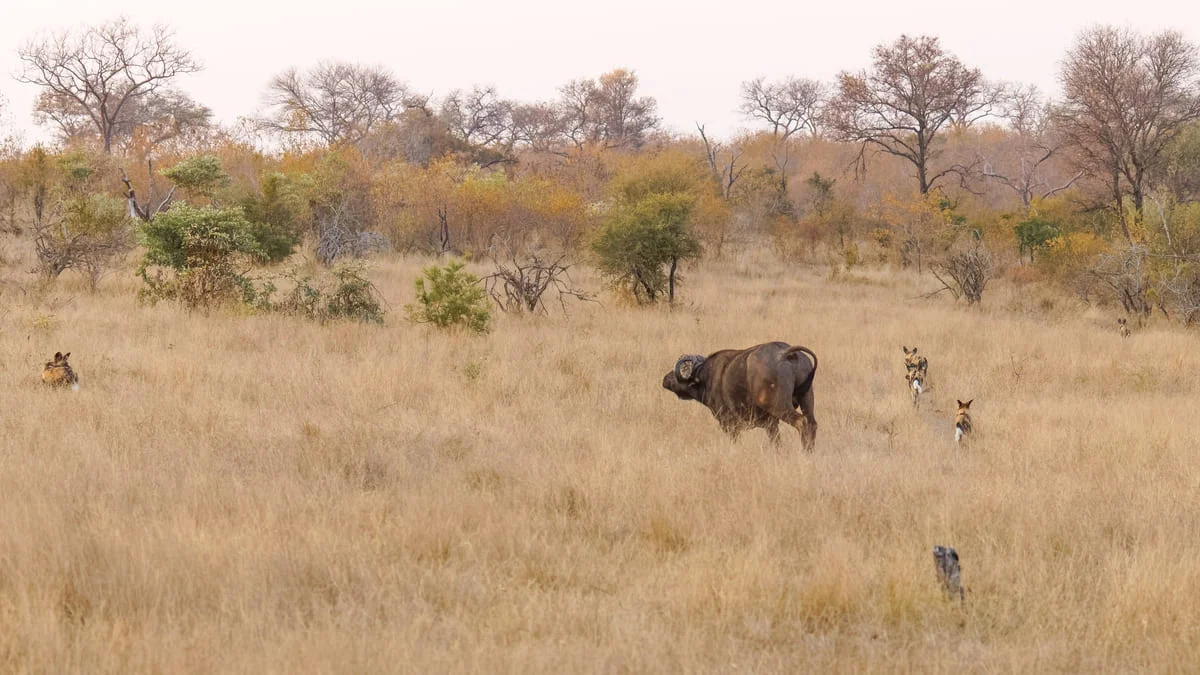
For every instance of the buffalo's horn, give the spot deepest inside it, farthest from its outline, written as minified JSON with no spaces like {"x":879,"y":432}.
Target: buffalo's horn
{"x":685,"y":369}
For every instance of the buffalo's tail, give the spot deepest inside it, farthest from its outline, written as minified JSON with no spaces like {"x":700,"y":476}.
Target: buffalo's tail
{"x":792,"y":352}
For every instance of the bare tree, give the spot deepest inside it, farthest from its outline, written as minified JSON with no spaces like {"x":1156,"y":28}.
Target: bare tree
{"x":164,"y":116}
{"x":478,"y":117}
{"x":540,"y":127}
{"x":913,"y":90}
{"x":965,"y":273}
{"x":340,"y":235}
{"x":336,"y":102}
{"x":147,"y":209}
{"x":722,"y":162}
{"x":101,"y":72}
{"x":1037,"y":142}
{"x":1122,"y":275}
{"x":607,"y":112}
{"x":1127,"y":96}
{"x":789,"y":106}
{"x":519,"y":285}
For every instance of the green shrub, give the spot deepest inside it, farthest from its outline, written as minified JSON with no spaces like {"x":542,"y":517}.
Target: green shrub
{"x":201,"y":176}
{"x":278,"y":213}
{"x":201,"y":254}
{"x":276,"y":209}
{"x":448,"y":297}
{"x":350,"y":296}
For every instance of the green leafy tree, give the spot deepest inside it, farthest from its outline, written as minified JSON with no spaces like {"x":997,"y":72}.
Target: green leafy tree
{"x":204,"y":252}
{"x":641,"y":245}
{"x":1034,"y":233}
{"x":200,"y":176}
{"x":448,"y":297}
{"x":279,"y":211}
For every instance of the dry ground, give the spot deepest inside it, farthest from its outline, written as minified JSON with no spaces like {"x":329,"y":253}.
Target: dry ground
{"x":261,"y":494}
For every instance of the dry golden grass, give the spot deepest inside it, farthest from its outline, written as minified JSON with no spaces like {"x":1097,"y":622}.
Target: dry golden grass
{"x":262,"y":494}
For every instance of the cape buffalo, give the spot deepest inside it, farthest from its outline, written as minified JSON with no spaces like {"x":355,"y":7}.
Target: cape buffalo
{"x":756,"y":387}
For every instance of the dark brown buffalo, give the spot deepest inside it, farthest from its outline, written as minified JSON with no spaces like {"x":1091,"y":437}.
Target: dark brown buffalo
{"x":756,"y":387}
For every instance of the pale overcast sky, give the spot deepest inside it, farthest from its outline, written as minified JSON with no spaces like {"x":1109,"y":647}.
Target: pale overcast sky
{"x":690,"y":55}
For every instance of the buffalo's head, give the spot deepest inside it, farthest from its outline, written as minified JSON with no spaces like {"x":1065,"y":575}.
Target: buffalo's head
{"x":686,"y":380}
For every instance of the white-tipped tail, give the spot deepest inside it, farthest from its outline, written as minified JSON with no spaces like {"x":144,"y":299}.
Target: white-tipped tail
{"x":917,"y":386}
{"x":958,"y":434}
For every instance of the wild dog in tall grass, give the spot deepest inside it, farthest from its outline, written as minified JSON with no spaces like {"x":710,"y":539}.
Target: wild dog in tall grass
{"x":58,"y":373}
{"x":1124,"y":328}
{"x":962,"y":421}
{"x":916,"y":372}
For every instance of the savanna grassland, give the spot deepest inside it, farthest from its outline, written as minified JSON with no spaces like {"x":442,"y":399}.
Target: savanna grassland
{"x":255,"y":493}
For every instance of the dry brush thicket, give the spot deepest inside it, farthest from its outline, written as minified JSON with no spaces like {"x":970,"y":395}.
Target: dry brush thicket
{"x":259,"y":493}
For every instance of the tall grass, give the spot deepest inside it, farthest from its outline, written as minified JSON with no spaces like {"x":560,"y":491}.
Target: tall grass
{"x":264,"y":494}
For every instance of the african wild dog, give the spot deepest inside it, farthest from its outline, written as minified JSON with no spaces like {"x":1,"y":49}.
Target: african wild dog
{"x":1124,"y":327}
{"x":916,"y":372}
{"x":58,"y":373}
{"x":962,"y":421}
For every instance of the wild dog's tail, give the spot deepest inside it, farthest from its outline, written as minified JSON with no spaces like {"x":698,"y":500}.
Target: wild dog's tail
{"x":958,"y":434}
{"x":792,"y":351}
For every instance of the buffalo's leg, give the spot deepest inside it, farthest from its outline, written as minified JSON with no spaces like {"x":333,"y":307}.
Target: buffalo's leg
{"x":808,"y":431}
{"x":804,"y":421}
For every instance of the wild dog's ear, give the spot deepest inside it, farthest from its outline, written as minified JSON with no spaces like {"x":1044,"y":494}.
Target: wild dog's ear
{"x":66,"y":356}
{"x":960,"y":403}
{"x":58,"y":356}
{"x":905,"y":349}
{"x":967,"y":404}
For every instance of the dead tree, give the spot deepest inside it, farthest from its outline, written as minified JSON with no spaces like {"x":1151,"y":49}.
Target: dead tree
{"x":520,"y":285}
{"x":443,"y":233}
{"x":146,"y":211}
{"x":1123,"y":274}
{"x":1038,"y":142}
{"x":965,"y":274}
{"x":339,"y":235}
{"x":725,"y":170}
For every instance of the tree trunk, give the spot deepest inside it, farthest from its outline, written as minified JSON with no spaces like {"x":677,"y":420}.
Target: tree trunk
{"x":1139,"y":200}
{"x":922,"y":165}
{"x":671,"y":280}
{"x":1116,"y":188}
